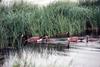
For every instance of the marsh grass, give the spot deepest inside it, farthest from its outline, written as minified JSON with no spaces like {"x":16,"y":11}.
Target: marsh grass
{"x":55,"y":18}
{"x":30,"y":58}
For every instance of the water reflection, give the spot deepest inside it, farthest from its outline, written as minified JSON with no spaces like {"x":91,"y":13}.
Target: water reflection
{"x":79,"y":54}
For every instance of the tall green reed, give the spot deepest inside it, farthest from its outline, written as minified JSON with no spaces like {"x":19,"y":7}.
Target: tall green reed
{"x":55,"y":18}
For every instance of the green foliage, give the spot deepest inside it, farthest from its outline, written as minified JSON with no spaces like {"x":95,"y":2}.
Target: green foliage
{"x":68,"y":17}
{"x":16,"y":65}
{"x":55,"y":18}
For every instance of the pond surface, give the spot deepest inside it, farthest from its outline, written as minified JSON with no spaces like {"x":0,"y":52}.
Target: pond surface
{"x":84,"y":54}
{"x":85,"y":57}
{"x":80,"y":54}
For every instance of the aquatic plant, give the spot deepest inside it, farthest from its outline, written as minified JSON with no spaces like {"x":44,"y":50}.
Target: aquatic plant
{"x":55,"y":18}
{"x":30,"y":58}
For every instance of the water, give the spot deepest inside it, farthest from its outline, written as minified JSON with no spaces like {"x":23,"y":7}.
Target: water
{"x":85,"y":54}
{"x":85,"y":57}
{"x":80,"y":54}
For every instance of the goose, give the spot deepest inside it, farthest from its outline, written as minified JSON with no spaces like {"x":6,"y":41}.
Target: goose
{"x":73,"y":39}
